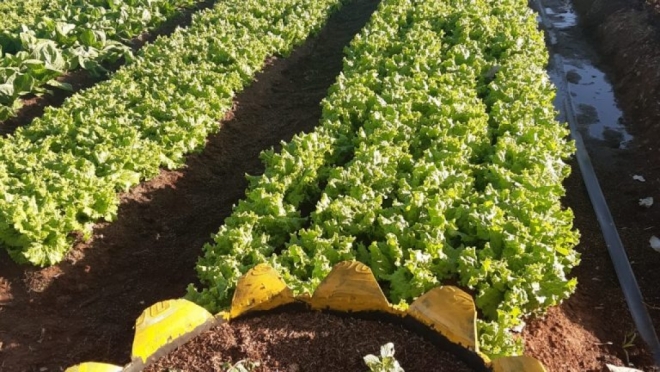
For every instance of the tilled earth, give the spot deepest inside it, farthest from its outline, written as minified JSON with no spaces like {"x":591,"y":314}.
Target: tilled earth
{"x":85,"y":308}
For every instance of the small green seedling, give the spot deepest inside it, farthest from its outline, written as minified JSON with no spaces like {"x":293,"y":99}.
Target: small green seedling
{"x":386,"y":362}
{"x":241,"y":366}
{"x":628,"y":342}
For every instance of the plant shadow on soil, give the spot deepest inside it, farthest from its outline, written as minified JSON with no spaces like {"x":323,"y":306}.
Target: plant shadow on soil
{"x":84,"y":308}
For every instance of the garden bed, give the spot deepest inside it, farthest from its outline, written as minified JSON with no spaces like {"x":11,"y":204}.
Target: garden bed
{"x":33,"y":106}
{"x":305,"y":341}
{"x":149,"y":253}
{"x":84,"y":308}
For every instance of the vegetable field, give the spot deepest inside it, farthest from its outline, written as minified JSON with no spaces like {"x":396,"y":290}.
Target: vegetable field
{"x":418,"y":137}
{"x":42,"y":40}
{"x":424,"y":167}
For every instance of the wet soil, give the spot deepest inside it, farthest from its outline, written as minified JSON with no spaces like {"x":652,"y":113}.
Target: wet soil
{"x":35,"y":106}
{"x":305,"y":342}
{"x":85,"y":308}
{"x":594,"y":327}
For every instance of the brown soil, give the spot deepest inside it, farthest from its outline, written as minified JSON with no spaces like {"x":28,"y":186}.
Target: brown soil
{"x":595,"y":325}
{"x":85,"y":308}
{"x":34,"y":107}
{"x":589,"y":329}
{"x":305,"y":341}
{"x":628,"y":36}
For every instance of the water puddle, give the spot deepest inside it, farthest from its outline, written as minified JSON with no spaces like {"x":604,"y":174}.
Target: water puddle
{"x":564,"y":18}
{"x":591,"y":92}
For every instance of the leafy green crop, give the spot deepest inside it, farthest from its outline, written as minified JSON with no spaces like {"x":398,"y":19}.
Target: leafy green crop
{"x":385,"y":362}
{"x":62,"y":173}
{"x":437,"y":158}
{"x":43,"y":40}
{"x":21,"y":12}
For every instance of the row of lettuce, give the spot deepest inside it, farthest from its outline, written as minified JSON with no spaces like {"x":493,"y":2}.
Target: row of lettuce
{"x":437,"y":159}
{"x":42,"y":40}
{"x":62,"y":173}
{"x":18,"y":12}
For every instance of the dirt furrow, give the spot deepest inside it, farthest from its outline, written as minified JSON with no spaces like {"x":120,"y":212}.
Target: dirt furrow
{"x":85,"y":308}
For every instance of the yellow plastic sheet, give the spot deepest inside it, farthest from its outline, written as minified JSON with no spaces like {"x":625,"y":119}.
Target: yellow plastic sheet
{"x":350,"y":286}
{"x":94,"y":367}
{"x":451,"y":312}
{"x":163,"y":323}
{"x":261,"y":288}
{"x":517,"y":364}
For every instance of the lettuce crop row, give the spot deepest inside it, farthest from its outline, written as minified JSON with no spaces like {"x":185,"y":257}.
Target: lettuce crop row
{"x":43,"y":40}
{"x":62,"y":173}
{"x":437,"y":159}
{"x":18,"y":12}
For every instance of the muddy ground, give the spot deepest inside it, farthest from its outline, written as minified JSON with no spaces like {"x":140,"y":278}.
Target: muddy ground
{"x":626,"y":35}
{"x":85,"y":308}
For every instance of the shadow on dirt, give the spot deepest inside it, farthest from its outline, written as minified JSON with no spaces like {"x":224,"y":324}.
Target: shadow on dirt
{"x":84,"y":309}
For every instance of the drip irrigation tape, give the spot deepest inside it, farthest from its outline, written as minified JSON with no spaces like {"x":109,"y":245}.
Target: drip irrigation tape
{"x":615,"y":247}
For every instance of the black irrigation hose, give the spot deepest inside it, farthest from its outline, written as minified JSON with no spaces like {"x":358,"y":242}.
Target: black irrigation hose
{"x":617,"y":253}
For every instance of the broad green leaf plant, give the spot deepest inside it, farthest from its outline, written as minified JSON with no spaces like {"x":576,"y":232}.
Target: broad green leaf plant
{"x":41,"y":41}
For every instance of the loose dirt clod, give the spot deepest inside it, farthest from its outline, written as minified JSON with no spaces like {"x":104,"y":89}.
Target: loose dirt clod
{"x":5,"y":294}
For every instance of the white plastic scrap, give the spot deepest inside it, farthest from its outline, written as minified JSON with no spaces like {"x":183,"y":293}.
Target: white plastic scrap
{"x":655,"y":243}
{"x":621,"y":369}
{"x":639,"y":178}
{"x":519,"y":328}
{"x":646,"y":202}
